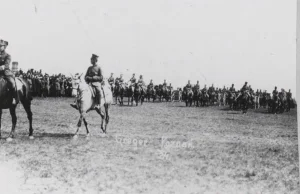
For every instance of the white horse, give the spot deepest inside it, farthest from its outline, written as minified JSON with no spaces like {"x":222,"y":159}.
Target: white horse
{"x":86,"y":102}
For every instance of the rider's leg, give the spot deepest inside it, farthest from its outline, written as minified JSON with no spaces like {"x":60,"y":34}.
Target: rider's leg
{"x":98,"y":97}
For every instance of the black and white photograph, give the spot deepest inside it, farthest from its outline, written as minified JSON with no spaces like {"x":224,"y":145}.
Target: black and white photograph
{"x":149,"y":96}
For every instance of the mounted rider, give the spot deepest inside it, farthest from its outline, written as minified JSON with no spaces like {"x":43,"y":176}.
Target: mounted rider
{"x":283,"y":92}
{"x":94,"y":77}
{"x":188,"y":85}
{"x":289,"y":94}
{"x":120,"y":81}
{"x":224,"y":89}
{"x":170,"y":87}
{"x":142,"y":84}
{"x":211,"y":89}
{"x":204,"y":90}
{"x":132,"y":83}
{"x":197,"y":86}
{"x":251,"y":91}
{"x":275,"y":94}
{"x":151,"y":85}
{"x":257,"y":93}
{"x":232,"y":89}
{"x":245,"y":89}
{"x":111,"y":81}
{"x":5,"y":60}
{"x":164,"y":85}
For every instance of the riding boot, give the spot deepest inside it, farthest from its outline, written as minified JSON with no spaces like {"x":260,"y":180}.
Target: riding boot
{"x":98,"y":99}
{"x":74,"y":104}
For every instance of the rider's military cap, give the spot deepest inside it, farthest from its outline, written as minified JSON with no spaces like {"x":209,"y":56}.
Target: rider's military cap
{"x":94,"y":56}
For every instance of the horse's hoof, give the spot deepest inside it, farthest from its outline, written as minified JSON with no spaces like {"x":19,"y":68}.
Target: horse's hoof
{"x":31,"y":137}
{"x":75,"y":137}
{"x":9,"y":139}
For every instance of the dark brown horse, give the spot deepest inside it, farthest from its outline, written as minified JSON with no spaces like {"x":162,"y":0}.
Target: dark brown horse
{"x":6,"y":103}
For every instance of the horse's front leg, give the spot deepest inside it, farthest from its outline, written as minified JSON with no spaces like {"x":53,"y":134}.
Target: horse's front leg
{"x":86,"y":126}
{"x":78,"y":126}
{"x":0,"y":121}
{"x":102,"y":114}
{"x":14,"y":122}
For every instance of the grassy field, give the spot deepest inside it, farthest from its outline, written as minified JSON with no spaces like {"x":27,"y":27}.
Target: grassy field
{"x":154,"y":148}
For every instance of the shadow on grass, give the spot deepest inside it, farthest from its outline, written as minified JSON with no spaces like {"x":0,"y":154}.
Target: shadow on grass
{"x":55,"y":135}
{"x":234,"y":113}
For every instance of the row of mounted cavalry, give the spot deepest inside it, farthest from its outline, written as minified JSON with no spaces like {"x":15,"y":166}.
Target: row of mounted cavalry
{"x":239,"y":100}
{"x":138,"y":93}
{"x":235,"y":100}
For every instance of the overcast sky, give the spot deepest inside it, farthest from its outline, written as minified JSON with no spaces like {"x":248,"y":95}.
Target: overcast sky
{"x":213,"y":41}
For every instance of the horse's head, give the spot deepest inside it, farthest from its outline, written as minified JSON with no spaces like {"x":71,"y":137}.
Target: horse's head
{"x":76,"y":80}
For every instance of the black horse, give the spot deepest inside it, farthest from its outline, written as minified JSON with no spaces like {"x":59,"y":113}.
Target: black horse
{"x":119,"y":93}
{"x":6,"y":103}
{"x":138,"y":94}
{"x":244,"y":100}
{"x":188,"y":96}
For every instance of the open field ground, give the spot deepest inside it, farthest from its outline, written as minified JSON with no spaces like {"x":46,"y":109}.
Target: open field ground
{"x":154,"y":148}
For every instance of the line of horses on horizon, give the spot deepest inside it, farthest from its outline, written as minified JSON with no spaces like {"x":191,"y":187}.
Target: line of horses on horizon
{"x":235,"y":100}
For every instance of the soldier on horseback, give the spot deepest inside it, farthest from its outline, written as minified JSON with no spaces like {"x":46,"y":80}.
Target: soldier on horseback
{"x":257,"y":93}
{"x":5,"y":59}
{"x":151,"y":84}
{"x":224,"y":89}
{"x":197,"y":86}
{"x":119,"y":81}
{"x":289,"y":94}
{"x":132,"y":82}
{"x":164,"y":84}
{"x":142,"y":84}
{"x":232,"y":89}
{"x":245,"y":88}
{"x":93,"y":77}
{"x":275,"y":94}
{"x":289,"y":99}
{"x":111,"y":81}
{"x":188,"y":85}
{"x":170,"y":87}
{"x":204,"y":90}
{"x":211,"y":89}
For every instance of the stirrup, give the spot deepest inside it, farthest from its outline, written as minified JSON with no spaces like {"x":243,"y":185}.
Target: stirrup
{"x":74,"y":106}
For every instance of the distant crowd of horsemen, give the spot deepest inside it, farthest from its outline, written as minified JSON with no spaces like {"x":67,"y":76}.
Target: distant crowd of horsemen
{"x":43,"y":85}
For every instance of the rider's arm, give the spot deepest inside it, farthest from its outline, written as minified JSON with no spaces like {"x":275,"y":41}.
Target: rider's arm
{"x":98,"y":78}
{"x":6,"y":61}
{"x":87,"y":77}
